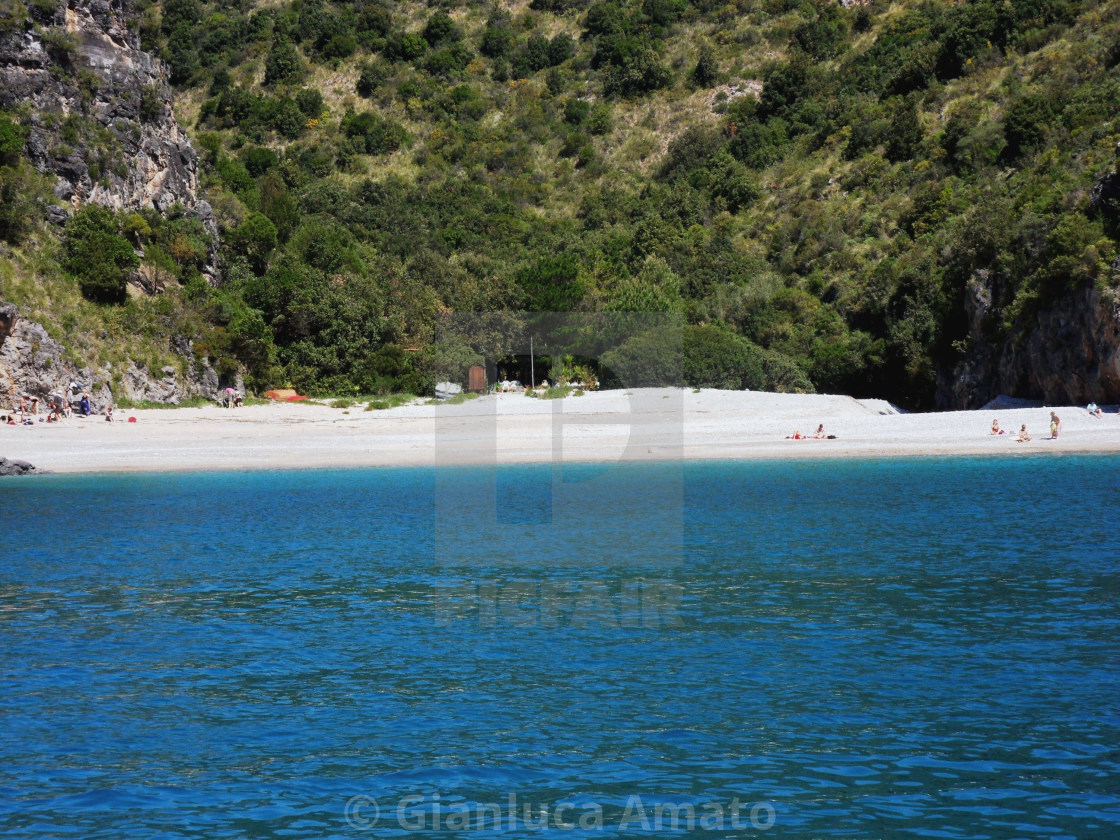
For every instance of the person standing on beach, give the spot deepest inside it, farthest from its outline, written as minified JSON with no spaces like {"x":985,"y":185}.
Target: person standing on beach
{"x":1055,"y":425}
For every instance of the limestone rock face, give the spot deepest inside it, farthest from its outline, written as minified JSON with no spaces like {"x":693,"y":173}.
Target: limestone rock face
{"x":8,"y":317}
{"x":33,"y":363}
{"x":99,"y":109}
{"x":1067,"y":354}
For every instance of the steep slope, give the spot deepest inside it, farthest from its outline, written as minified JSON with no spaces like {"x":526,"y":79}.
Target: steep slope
{"x":911,"y":200}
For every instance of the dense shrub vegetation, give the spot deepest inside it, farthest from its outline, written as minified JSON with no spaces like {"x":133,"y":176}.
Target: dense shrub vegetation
{"x":375,"y":165}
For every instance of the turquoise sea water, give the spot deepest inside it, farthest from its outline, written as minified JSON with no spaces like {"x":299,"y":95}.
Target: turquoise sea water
{"x":897,"y":648}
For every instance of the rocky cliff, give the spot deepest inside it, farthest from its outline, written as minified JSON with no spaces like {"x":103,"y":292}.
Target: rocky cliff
{"x":98,"y":113}
{"x":34,"y":364}
{"x":1067,"y":352}
{"x":98,"y":110}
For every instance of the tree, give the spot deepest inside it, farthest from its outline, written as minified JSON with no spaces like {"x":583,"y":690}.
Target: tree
{"x":18,"y":208}
{"x":1025,"y":123}
{"x":906,"y":132}
{"x":439,"y":28}
{"x":283,"y":63}
{"x":706,"y":72}
{"x":97,"y":254}
{"x":255,"y":238}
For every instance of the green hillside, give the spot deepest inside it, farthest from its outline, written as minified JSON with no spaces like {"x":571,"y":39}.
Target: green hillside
{"x":812,"y":187}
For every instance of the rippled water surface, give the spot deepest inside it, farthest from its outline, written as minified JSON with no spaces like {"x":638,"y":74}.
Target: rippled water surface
{"x":901,"y":648}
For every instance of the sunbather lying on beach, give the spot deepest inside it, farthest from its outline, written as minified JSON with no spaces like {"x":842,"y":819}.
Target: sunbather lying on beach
{"x":818,"y":435}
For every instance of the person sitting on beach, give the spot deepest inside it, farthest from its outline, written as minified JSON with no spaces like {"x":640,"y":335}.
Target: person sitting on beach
{"x":1094,"y":409}
{"x":237,"y":399}
{"x":1023,"y":436}
{"x":996,"y":430}
{"x":819,"y":433}
{"x":84,"y":407}
{"x":1055,"y":425}
{"x":109,"y":413}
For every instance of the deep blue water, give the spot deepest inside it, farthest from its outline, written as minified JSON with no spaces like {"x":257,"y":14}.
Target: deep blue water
{"x":898,"y":648}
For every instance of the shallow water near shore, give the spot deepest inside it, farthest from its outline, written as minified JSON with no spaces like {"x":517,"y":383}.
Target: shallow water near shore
{"x":874,"y":648}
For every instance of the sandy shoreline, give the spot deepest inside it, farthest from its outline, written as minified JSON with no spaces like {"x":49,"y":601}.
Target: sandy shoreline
{"x":643,"y":424}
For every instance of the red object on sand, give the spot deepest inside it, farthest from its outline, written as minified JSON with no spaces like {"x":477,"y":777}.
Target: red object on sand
{"x":284,"y":395}
{"x":131,"y":419}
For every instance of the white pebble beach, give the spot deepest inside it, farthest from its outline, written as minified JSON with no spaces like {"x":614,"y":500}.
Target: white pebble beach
{"x":642,"y":424}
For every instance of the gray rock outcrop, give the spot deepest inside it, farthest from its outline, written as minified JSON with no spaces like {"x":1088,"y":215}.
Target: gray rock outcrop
{"x":8,"y":467}
{"x":33,"y":363}
{"x":9,"y":315}
{"x":1066,"y":354}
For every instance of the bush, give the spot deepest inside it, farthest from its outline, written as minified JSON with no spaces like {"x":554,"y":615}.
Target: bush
{"x":258,"y":160}
{"x":690,"y":149}
{"x":340,"y":46}
{"x":371,"y":77}
{"x":12,"y":16}
{"x":715,"y":357}
{"x":12,"y":139}
{"x":151,"y":104}
{"x":407,"y":46}
{"x":600,"y":120}
{"x":19,"y":208}
{"x":648,"y":360}
{"x":310,"y":102}
{"x":288,"y":120}
{"x":905,"y":133}
{"x":498,"y":37}
{"x":378,"y":136}
{"x":448,"y":60}
{"x":560,"y":49}
{"x":576,"y":111}
{"x":639,"y":73}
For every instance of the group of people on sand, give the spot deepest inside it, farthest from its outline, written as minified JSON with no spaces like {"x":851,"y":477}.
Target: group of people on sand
{"x":1024,"y":436}
{"x":819,"y":434}
{"x":60,"y":406}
